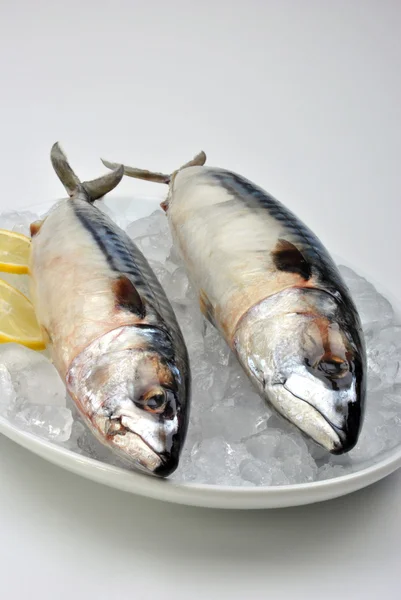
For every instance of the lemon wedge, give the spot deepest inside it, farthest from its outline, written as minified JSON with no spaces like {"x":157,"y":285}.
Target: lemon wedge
{"x":18,"y":321}
{"x":14,"y":252}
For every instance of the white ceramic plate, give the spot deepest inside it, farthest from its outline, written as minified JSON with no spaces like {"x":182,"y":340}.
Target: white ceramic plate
{"x":213,"y":496}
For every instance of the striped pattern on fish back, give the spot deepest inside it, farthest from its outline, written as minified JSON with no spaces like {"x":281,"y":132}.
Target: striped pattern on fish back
{"x":123,"y":256}
{"x":313,"y":250}
{"x":324,"y":269}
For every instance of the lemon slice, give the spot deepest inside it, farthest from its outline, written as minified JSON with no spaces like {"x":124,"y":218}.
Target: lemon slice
{"x":18,"y":320}
{"x":14,"y":252}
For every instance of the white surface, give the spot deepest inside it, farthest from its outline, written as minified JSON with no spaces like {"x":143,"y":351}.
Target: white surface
{"x":302,"y":97}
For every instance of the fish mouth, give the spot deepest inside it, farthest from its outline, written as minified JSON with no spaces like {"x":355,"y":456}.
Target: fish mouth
{"x":350,"y":433}
{"x":134,"y":446}
{"x":168,"y":465}
{"x":338,"y":446}
{"x":310,"y":420}
{"x":332,"y":418}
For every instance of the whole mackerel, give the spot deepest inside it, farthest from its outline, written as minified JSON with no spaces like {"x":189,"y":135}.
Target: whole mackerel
{"x":273,"y":291}
{"x":113,"y":334}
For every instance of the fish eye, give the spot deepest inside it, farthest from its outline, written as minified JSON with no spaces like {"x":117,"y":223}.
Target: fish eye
{"x":333,"y":368}
{"x":154,"y":401}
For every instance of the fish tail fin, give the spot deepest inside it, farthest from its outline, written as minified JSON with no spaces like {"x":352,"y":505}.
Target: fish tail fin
{"x":94,"y":189}
{"x":64,"y":171}
{"x":198,"y":160}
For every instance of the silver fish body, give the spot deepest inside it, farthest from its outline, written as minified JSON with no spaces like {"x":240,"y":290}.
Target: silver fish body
{"x":113,"y":334}
{"x":273,"y":291}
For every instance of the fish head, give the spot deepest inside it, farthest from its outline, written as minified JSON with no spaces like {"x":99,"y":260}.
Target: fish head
{"x":134,"y":399}
{"x":308,"y":359}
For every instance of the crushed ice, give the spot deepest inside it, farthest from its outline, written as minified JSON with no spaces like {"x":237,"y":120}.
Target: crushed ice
{"x":234,"y":438}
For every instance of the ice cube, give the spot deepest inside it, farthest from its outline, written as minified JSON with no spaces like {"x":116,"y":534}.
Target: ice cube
{"x":174,"y":258}
{"x":373,"y":308}
{"x":329,"y":471}
{"x":152,"y":236}
{"x":160,"y":271}
{"x":276,"y":421}
{"x":264,"y":446}
{"x":203,"y":375}
{"x":239,"y":386}
{"x":18,"y":221}
{"x":176,"y":286}
{"x":221,"y":379}
{"x":214,"y":459}
{"x":53,"y":423}
{"x":289,"y":453}
{"x":117,"y":209}
{"x":278,"y":475}
{"x":371,"y":443}
{"x":216,"y":348}
{"x":191,"y":322}
{"x":254,"y":471}
{"x":292,"y":444}
{"x":384,"y":357}
{"x":185,"y":472}
{"x":392,"y":396}
{"x":299,"y":468}
{"x":240,"y":452}
{"x":34,"y":377}
{"x":154,"y":224}
{"x":317,"y":452}
{"x":7,"y":392}
{"x":234,"y":422}
{"x":154,"y":247}
{"x":78,"y":429}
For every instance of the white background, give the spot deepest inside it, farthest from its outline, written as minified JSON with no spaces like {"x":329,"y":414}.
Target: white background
{"x":302,"y":96}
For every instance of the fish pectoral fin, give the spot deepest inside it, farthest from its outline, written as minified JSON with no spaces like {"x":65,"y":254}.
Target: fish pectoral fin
{"x":288,"y":258}
{"x":206,"y":307}
{"x":46,"y":336}
{"x":34,"y":227}
{"x":127,"y":296}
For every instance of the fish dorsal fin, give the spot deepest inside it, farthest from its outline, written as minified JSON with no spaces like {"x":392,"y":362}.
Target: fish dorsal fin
{"x":198,"y":160}
{"x":94,"y":189}
{"x":127,"y":296}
